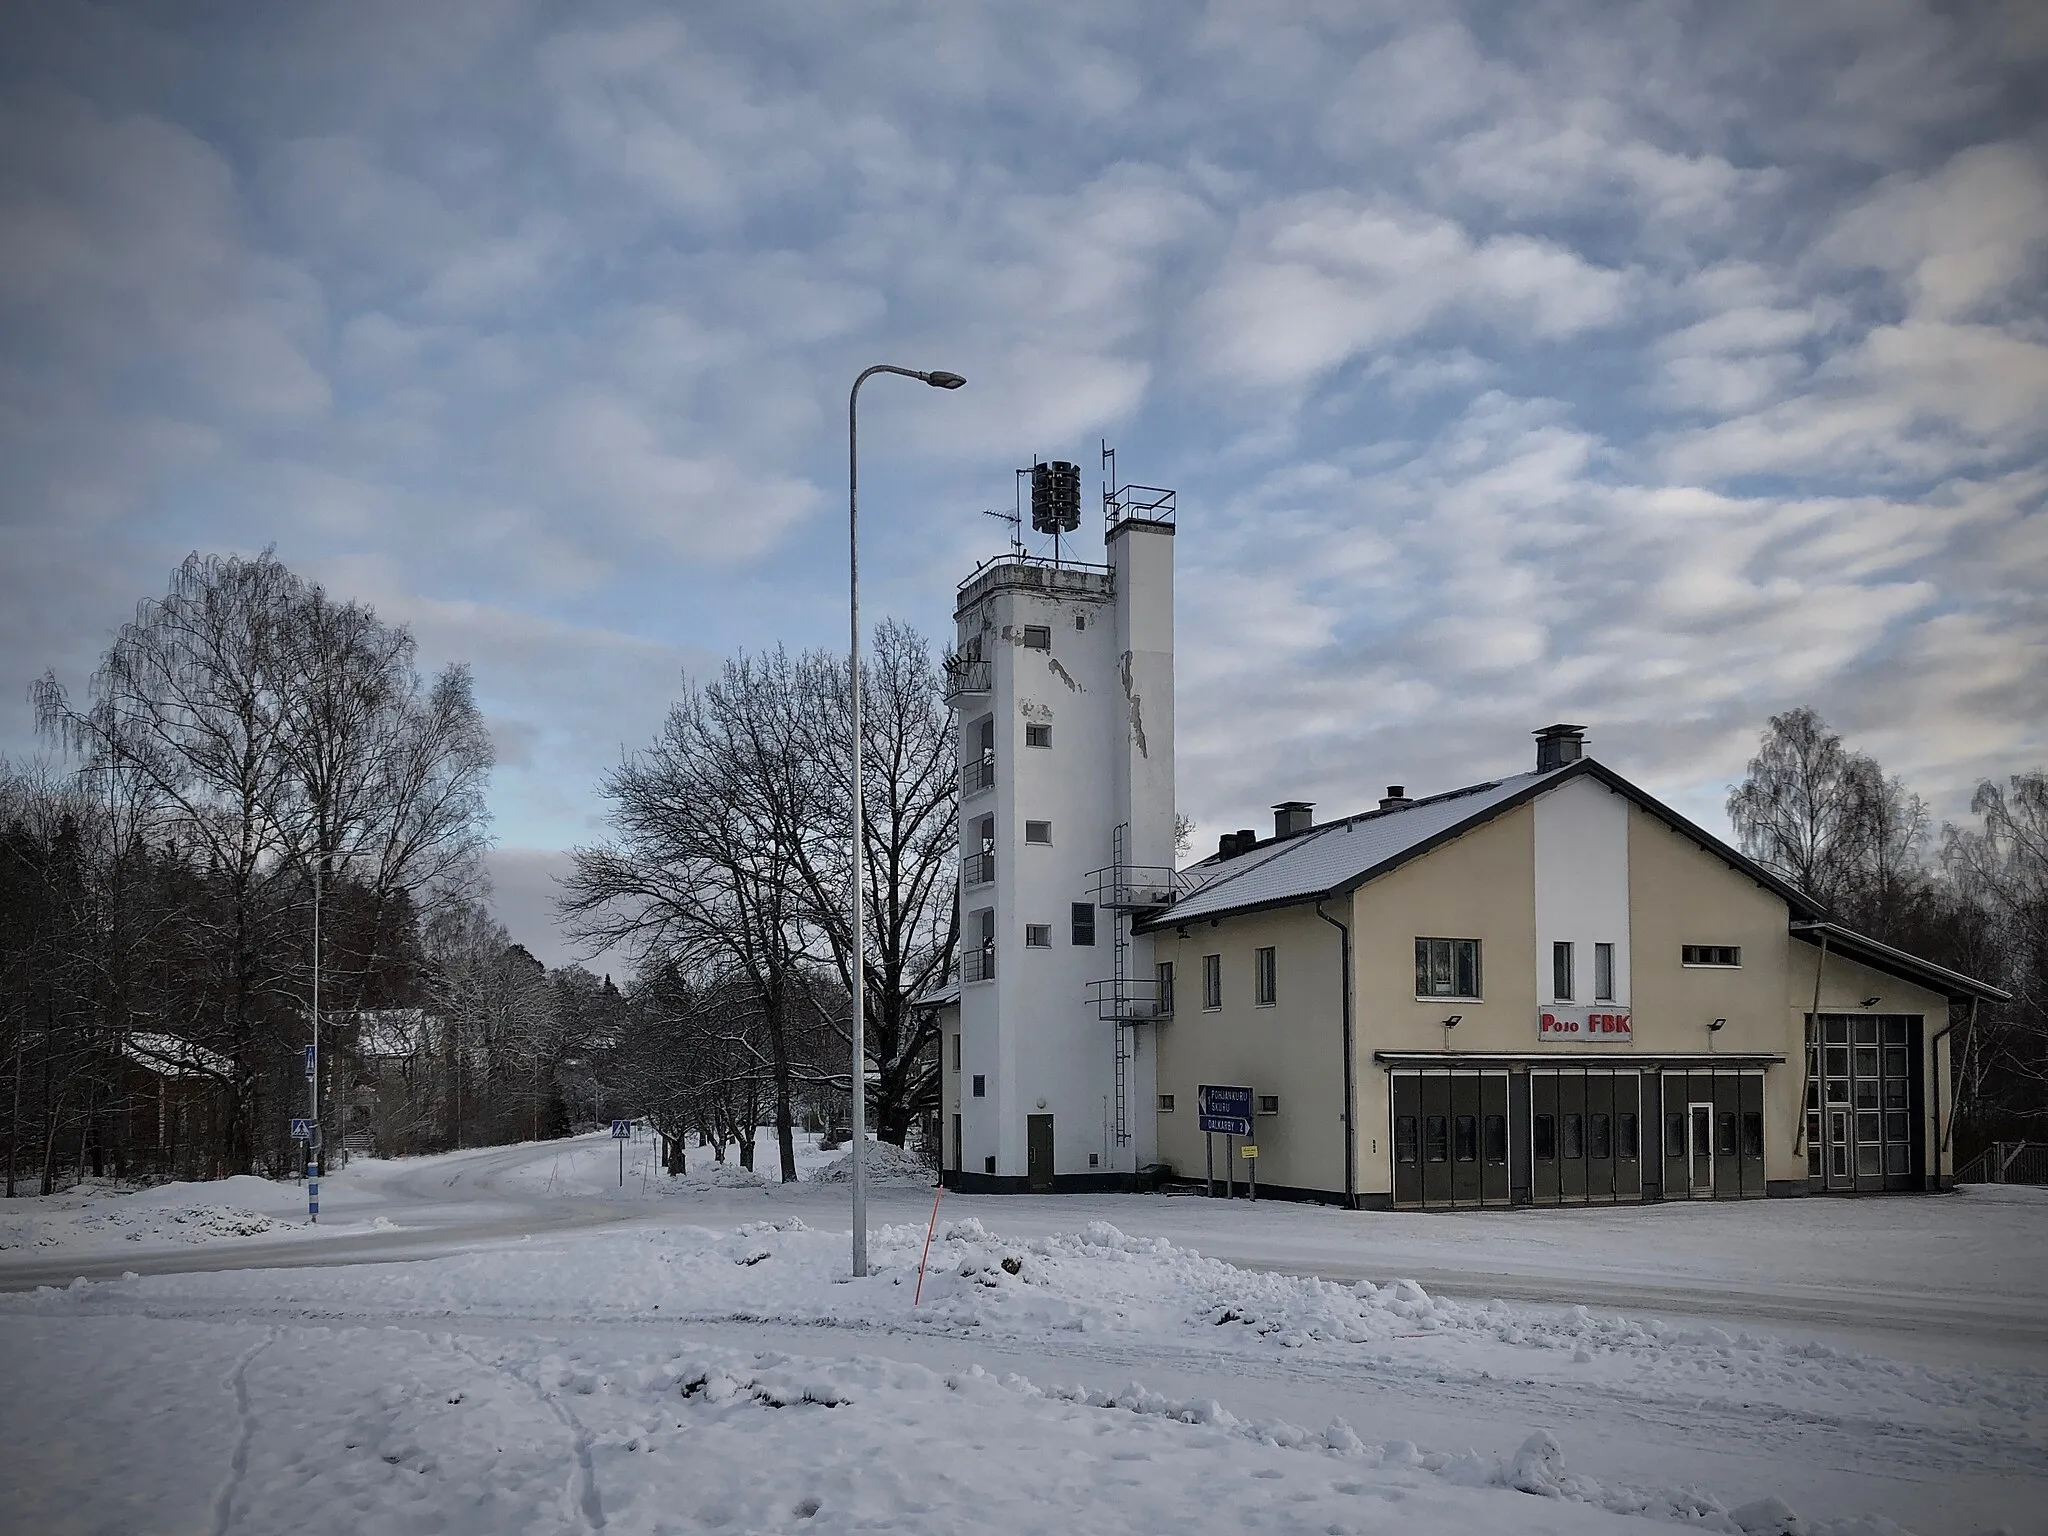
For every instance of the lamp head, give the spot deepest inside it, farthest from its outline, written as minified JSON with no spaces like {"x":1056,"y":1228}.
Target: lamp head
{"x":1454,"y":1021}
{"x":1871,"y":1002}
{"x":938,"y":378}
{"x":1717,"y":1026}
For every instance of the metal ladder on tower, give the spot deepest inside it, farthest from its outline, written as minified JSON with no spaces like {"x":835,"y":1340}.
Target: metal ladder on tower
{"x":1120,"y":921}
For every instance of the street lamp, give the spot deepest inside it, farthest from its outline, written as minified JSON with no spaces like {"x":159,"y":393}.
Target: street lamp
{"x":938,"y":379}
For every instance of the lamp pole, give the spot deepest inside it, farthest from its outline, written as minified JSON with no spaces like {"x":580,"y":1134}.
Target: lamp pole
{"x":859,"y":1081}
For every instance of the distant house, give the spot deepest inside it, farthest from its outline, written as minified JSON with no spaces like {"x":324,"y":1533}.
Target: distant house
{"x":176,"y":1092}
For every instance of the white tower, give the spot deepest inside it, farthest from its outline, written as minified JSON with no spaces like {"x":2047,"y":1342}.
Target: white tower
{"x":1063,"y":688}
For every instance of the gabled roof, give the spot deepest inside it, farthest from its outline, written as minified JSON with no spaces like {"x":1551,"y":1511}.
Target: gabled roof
{"x":1338,"y":857}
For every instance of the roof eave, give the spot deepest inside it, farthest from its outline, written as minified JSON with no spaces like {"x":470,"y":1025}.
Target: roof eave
{"x":1953,"y":985}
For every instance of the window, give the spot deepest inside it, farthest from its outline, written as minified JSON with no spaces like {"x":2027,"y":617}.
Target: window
{"x":980,"y":1084}
{"x":1543,"y":1136}
{"x":1574,"y":1146}
{"x":1631,"y":1137}
{"x":1436,"y":1133}
{"x":1080,"y":621}
{"x":1166,"y":989}
{"x":1602,"y":1129}
{"x":978,"y":962}
{"x":1265,"y":977}
{"x":1711,"y":954}
{"x":1496,"y":1139}
{"x":1269,"y":1103}
{"x":1084,"y":922}
{"x":988,"y":1164}
{"x":1165,"y":1102}
{"x":1603,"y":973}
{"x":1561,"y":971}
{"x":1466,"y":1147}
{"x":1753,"y":1133}
{"x":1037,"y":831}
{"x":1038,"y":637}
{"x":1038,"y":935}
{"x":979,"y":771}
{"x":1037,"y":735}
{"x":956,"y":1055}
{"x":1674,"y":1135}
{"x":1212,"y":981}
{"x":1405,"y":1144}
{"x":1447,"y":968}
{"x":1724,"y":1134}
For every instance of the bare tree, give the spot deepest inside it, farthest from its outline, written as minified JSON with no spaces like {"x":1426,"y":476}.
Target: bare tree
{"x":2001,"y":866}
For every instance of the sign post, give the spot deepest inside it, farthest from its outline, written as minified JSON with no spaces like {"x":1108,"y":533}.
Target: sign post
{"x":1225,"y":1111}
{"x":1250,"y":1154}
{"x":622,"y":1130}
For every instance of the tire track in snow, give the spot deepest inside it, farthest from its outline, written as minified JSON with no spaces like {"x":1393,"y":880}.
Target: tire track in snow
{"x":581,"y":1499}
{"x":238,"y":1464}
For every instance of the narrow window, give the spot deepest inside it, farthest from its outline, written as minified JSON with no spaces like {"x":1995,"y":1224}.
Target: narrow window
{"x":1631,"y":1137}
{"x":1561,"y":971}
{"x":1674,"y":1135}
{"x":1038,"y":736}
{"x":1084,"y":922}
{"x":1753,"y":1133}
{"x":1466,"y":1147}
{"x":1544,"y":1137}
{"x":1496,"y":1139}
{"x":988,"y":1164}
{"x":1080,"y":621}
{"x":1436,"y":1131}
{"x":1603,"y":973}
{"x":1574,"y":1138}
{"x":1166,"y":989}
{"x":1602,"y":1128}
{"x":1404,"y":1139}
{"x":1724,"y":1134}
{"x":956,"y":1056}
{"x":1265,"y":971}
{"x":1710,"y":954}
{"x":1165,"y":1100}
{"x":1037,"y":831}
{"x":1212,"y":981}
{"x":1269,"y":1103}
{"x":980,"y":1084}
{"x":1038,"y":935}
{"x":1038,"y":637}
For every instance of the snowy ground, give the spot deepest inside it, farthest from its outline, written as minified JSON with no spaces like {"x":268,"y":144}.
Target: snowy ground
{"x":565,"y":1354}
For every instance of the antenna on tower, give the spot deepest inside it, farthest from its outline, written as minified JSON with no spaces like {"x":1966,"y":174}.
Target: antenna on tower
{"x":1016,"y":522}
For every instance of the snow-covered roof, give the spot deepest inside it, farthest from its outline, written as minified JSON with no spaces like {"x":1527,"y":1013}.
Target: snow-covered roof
{"x":175,"y":1056}
{"x":391,"y":1031}
{"x":1340,"y":854}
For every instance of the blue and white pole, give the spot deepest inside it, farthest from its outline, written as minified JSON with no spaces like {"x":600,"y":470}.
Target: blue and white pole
{"x":313,"y":1068}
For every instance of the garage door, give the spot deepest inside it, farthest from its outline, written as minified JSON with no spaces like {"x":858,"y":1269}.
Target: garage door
{"x":1450,"y":1139}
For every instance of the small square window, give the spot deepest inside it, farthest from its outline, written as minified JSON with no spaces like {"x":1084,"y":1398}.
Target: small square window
{"x":1038,"y":935}
{"x":1037,"y":735}
{"x":1038,"y":832}
{"x":1038,"y":637}
{"x":1447,"y":968}
{"x":988,"y":1164}
{"x":1212,"y":981}
{"x":1166,"y":1103}
{"x":1265,"y":977}
{"x":1080,"y":621}
{"x":1269,"y":1103}
{"x":1094,"y":1159}
{"x":980,"y":1085}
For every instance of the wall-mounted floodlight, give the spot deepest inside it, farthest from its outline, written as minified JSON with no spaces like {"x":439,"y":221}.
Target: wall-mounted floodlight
{"x":1717,"y":1026}
{"x":1454,"y":1021}
{"x":1870,"y":1002}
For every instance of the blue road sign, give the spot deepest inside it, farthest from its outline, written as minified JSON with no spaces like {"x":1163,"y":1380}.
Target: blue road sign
{"x":622,"y":1130}
{"x":312,"y":1060}
{"x":302,"y":1130}
{"x":1224,"y":1110}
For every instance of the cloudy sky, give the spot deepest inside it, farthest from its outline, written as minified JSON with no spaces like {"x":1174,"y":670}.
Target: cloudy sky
{"x":1652,"y":366}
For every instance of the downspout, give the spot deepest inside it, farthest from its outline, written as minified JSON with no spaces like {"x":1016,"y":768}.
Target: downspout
{"x":1813,"y":1048}
{"x":1350,"y":1051}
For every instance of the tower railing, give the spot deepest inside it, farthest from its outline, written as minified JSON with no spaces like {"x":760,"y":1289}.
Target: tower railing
{"x":1134,"y":887}
{"x":978,"y":868}
{"x":978,"y":774}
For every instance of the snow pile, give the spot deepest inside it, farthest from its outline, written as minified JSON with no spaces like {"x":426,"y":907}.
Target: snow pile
{"x":886,"y":1164}
{"x":112,"y":1221}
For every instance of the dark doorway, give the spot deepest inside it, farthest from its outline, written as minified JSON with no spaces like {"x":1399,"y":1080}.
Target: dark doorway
{"x":1038,"y":1150}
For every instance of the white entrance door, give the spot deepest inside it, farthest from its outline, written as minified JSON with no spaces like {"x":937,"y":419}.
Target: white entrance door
{"x":1699,"y":1123}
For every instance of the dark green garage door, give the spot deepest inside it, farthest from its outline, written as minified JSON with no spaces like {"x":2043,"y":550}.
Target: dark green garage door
{"x":1450,"y":1138}
{"x":1585,"y":1135}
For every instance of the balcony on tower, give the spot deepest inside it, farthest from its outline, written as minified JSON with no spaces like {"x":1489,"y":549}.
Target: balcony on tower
{"x":968,"y":680}
{"x":1134,"y":887}
{"x":1129,"y":1000}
